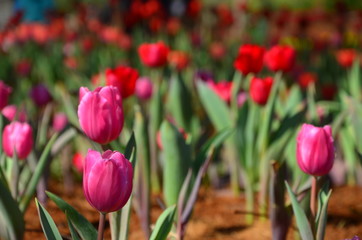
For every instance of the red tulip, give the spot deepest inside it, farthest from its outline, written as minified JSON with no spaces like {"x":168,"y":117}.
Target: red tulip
{"x":250,"y":59}
{"x":78,"y":162}
{"x":153,"y":54}
{"x":107,"y":180}
{"x":260,"y":89}
{"x":19,"y":137}
{"x":307,"y":78}
{"x":178,"y":59}
{"x":222,"y":89}
{"x":124,"y":78}
{"x":346,"y":57}
{"x":280,"y":58}
{"x":315,"y":150}
{"x":100,"y":113}
{"x":5,"y":91}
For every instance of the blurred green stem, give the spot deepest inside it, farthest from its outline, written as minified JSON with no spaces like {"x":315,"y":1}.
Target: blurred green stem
{"x":102,"y":220}
{"x":313,"y":202}
{"x":15,"y":177}
{"x":155,"y":121}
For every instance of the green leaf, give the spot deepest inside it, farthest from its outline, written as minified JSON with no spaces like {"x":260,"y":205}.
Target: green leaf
{"x":12,"y":224}
{"x":49,"y":228}
{"x":177,"y":157}
{"x":30,"y":190}
{"x":212,"y":143}
{"x":83,"y":227}
{"x":322,"y":213}
{"x":180,"y":102}
{"x":72,"y":229}
{"x":354,"y":80}
{"x":216,"y":108}
{"x":130,"y":150}
{"x":164,"y":224}
{"x":302,"y":221}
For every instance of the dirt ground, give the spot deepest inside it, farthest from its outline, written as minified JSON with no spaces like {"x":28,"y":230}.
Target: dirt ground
{"x":217,"y":215}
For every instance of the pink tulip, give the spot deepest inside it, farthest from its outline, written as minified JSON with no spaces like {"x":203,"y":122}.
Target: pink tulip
{"x":60,"y":120}
{"x":4,"y":94}
{"x":11,"y":112}
{"x":107,"y":180}
{"x":18,"y":136}
{"x":100,"y":113}
{"x":315,"y":149}
{"x":144,"y":88}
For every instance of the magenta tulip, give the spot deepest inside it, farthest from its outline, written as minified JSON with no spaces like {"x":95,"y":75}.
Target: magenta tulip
{"x":40,"y":95}
{"x":315,"y":149}
{"x":107,"y":180}
{"x":100,"y":113}
{"x":144,"y":88}
{"x":19,"y":137}
{"x":4,"y":94}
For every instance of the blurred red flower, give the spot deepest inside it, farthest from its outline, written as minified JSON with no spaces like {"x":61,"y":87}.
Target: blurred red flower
{"x":250,"y":59}
{"x":124,"y":78}
{"x":260,"y":89}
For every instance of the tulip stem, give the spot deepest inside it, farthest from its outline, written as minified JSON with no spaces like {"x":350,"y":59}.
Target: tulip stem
{"x":102,"y":220}
{"x":313,"y":201}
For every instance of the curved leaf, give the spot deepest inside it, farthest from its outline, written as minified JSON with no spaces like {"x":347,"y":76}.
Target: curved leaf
{"x":164,"y":224}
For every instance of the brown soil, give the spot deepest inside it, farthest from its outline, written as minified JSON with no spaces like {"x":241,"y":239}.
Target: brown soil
{"x":217,"y":215}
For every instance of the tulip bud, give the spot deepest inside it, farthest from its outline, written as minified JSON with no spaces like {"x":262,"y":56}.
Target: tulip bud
{"x":249,"y":59}
{"x":315,"y":149}
{"x":153,"y":54}
{"x":19,"y":137}
{"x":107,"y":180}
{"x":11,"y":112}
{"x":40,"y":95}
{"x":144,"y":88}
{"x":124,"y":78}
{"x":4,"y":94}
{"x":60,"y":120}
{"x":100,"y":113}
{"x":78,"y":162}
{"x":222,"y":89}
{"x":280,"y":58}
{"x":260,"y":89}
{"x":346,"y":57}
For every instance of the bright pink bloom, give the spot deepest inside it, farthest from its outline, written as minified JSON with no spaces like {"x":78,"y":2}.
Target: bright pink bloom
{"x":260,"y":89}
{"x":144,"y":88}
{"x":12,"y":113}
{"x":250,"y":59}
{"x":5,"y":91}
{"x":315,"y":149}
{"x":100,"y":113}
{"x":153,"y":54}
{"x":60,"y":120}
{"x":19,"y":137}
{"x":107,"y":180}
{"x":222,"y":89}
{"x":280,"y":58}
{"x":40,"y":95}
{"x":124,"y":78}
